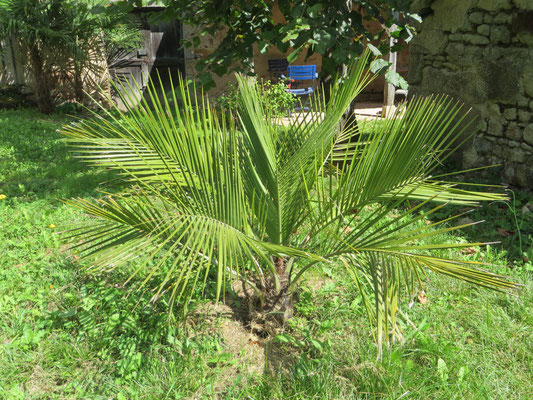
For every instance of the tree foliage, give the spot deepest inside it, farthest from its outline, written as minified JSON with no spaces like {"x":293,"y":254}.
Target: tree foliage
{"x":335,"y":29}
{"x":212,"y":202}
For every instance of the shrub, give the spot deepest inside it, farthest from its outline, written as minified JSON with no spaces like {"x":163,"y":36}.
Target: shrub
{"x":277,"y":100}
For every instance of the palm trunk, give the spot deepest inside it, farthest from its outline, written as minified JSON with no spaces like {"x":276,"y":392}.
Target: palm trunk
{"x":78,"y":83}
{"x":278,"y":304}
{"x":43,"y":93}
{"x":107,"y":101}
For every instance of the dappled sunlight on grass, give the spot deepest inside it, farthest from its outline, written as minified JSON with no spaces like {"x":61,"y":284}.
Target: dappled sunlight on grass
{"x":34,"y":162}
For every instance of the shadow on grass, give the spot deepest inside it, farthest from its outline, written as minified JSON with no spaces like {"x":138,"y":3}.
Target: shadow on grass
{"x":507,"y":225}
{"x":35,"y":162}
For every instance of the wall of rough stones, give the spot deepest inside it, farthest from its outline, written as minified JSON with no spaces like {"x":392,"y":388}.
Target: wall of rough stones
{"x":481,"y":52}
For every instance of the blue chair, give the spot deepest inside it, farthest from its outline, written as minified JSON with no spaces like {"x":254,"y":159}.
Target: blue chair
{"x":299,"y":75}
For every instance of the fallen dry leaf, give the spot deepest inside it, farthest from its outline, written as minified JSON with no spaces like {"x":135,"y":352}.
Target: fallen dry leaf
{"x":469,"y":251}
{"x":422,"y":298}
{"x":504,"y":232}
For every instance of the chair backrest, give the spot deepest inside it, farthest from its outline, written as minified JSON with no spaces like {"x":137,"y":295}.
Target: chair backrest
{"x":278,"y":65}
{"x":302,"y":72}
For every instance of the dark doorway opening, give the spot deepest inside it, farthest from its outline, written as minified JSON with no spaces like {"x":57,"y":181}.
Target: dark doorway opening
{"x":159,"y":60}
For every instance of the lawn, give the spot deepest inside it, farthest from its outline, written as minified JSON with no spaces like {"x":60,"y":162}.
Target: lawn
{"x":67,"y":334}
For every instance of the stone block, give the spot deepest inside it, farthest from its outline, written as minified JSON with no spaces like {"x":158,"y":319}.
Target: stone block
{"x":464,"y":85}
{"x":476,"y":17}
{"x":499,"y":86}
{"x":473,"y":53}
{"x":450,"y":66}
{"x":524,"y":116}
{"x":502,"y":18}
{"x":527,"y":148}
{"x":454,"y":48}
{"x":420,"y":5}
{"x":513,"y":131}
{"x":527,"y":80}
{"x":507,"y":53}
{"x":525,"y":38}
{"x":490,"y":110}
{"x":524,"y":174}
{"x":495,"y":128}
{"x":487,"y":18}
{"x":451,"y":15}
{"x":483,"y":30}
{"x":528,"y":134}
{"x":497,"y":152}
{"x":494,"y":5}
{"x":455,"y":37}
{"x":500,"y":34}
{"x":471,"y":159}
{"x":523,"y":102}
{"x":429,"y":41}
{"x":510,"y":114}
{"x":475,"y":39}
{"x":482,"y":145}
{"x":515,"y":155}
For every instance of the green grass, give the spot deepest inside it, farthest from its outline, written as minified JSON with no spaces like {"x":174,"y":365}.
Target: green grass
{"x":68,"y":334}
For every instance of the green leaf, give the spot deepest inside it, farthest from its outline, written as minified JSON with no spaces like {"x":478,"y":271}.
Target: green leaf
{"x":379,"y":65}
{"x":290,"y":36}
{"x":375,"y":51}
{"x":263,"y":47}
{"x":297,"y":10}
{"x":294,"y":55}
{"x":314,"y":10}
{"x":394,"y":78}
{"x":316,"y":344}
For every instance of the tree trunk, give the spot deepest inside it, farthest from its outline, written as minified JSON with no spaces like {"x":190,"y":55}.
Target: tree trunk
{"x":107,"y":101}
{"x":43,"y":93}
{"x":348,"y":118}
{"x":78,"y":83}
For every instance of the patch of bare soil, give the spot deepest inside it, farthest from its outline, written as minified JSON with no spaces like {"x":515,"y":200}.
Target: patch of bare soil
{"x":41,"y":382}
{"x":246,"y":349}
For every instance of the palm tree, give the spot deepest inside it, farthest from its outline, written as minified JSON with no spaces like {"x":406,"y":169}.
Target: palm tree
{"x":65,"y":42}
{"x":38,"y":29}
{"x":256,"y":202}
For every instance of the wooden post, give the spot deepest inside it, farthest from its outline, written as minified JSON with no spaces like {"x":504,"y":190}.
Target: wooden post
{"x":389,"y":90}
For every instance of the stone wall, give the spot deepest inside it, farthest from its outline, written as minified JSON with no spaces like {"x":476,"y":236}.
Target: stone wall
{"x":481,"y":52}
